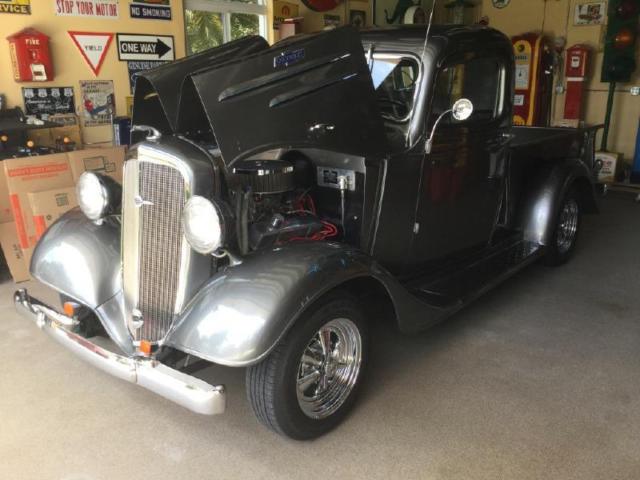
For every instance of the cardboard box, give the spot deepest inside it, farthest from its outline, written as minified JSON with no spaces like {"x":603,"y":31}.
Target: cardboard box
{"x":6,"y":215}
{"x":33,"y":174}
{"x":108,"y":161}
{"x":47,"y":206}
{"x":607,"y":173}
{"x":13,"y":253}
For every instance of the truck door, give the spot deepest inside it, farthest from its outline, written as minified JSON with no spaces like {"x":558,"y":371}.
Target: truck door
{"x":463,"y":176}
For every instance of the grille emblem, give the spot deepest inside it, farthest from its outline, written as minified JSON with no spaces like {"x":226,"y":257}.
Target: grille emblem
{"x":139,"y":201}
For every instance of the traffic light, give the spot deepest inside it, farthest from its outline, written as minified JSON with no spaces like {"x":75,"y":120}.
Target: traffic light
{"x":620,"y":42}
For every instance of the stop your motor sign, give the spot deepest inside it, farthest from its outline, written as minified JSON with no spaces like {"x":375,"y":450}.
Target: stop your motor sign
{"x":145,"y":47}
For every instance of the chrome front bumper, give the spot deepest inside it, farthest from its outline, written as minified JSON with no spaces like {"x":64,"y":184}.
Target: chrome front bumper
{"x":190,"y":392}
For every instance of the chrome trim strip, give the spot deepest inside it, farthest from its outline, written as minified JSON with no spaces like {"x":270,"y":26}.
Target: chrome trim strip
{"x":185,"y":390}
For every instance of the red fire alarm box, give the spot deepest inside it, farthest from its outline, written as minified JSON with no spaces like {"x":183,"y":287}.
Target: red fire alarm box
{"x":30,"y":56}
{"x":576,"y":72}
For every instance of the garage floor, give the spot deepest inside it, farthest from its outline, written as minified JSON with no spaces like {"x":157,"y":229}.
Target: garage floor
{"x":538,"y":380}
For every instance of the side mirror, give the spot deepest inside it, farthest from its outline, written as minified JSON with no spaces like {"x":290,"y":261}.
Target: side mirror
{"x":461,"y":110}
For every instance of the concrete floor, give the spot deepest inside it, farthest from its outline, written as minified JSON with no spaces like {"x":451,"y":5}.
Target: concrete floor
{"x":538,"y":380}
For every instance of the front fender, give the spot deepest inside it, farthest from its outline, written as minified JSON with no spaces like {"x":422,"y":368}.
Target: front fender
{"x":80,"y":259}
{"x":240,"y":314}
{"x":542,"y":200}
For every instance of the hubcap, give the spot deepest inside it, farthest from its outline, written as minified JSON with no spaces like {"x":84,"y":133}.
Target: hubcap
{"x":329,"y":368}
{"x":568,"y":225}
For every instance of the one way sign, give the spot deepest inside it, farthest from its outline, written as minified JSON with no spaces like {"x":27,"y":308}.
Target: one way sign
{"x":145,"y":47}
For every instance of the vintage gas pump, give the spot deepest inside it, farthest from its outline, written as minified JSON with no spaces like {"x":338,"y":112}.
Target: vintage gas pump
{"x":576,"y":72}
{"x":534,"y":80}
{"x":30,"y":56}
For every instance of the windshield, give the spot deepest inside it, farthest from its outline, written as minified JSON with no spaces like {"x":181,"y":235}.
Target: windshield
{"x":395,"y":79}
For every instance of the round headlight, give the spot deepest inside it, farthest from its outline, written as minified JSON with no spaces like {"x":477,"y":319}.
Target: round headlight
{"x":93,"y":196}
{"x":203,"y":225}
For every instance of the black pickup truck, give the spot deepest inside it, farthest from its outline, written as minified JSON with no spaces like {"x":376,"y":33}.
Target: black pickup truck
{"x":277,"y":193}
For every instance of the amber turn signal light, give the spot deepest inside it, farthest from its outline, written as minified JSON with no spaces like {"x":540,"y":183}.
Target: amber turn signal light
{"x":145,"y":347}
{"x":69,"y":309}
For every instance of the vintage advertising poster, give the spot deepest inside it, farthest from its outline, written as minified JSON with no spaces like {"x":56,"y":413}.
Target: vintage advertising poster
{"x":135,"y":67}
{"x":87,"y":8}
{"x":43,"y":102}
{"x":21,"y":7}
{"x":150,"y":9}
{"x":98,"y":102}
{"x":592,"y":13}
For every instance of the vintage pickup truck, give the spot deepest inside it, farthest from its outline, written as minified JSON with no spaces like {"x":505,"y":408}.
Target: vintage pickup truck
{"x":279,"y":193}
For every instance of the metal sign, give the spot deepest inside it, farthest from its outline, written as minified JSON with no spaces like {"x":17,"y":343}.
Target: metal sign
{"x":93,"y":46}
{"x":135,"y":67}
{"x":87,"y":8}
{"x":150,"y":9}
{"x":43,"y":102}
{"x":22,"y":7}
{"x":145,"y":47}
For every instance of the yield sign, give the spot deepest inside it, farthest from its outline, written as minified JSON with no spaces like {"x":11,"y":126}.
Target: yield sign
{"x":93,"y":46}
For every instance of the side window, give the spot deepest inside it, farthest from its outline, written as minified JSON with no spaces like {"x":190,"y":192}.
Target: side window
{"x":394,"y":79}
{"x":479,"y":79}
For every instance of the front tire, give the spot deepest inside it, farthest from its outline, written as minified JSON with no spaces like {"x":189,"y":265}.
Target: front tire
{"x":566,"y":229}
{"x":309,"y":382}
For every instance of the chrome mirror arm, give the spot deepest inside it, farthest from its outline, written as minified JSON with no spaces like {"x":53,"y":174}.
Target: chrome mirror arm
{"x":429,"y":144}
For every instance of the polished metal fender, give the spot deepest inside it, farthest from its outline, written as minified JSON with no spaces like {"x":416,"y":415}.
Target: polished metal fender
{"x":80,"y":259}
{"x":240,"y":313}
{"x":543,"y":200}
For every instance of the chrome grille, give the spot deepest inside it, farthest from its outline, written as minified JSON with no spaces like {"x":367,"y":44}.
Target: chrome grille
{"x":161,"y":192}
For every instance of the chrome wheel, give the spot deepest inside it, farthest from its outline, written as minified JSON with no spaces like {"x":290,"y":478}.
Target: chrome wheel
{"x":329,"y":367}
{"x":567,"y":225}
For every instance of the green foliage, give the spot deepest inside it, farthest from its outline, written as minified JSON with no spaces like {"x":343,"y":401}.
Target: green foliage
{"x":205,"y":29}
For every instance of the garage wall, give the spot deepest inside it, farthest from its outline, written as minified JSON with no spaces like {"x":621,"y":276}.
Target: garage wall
{"x":69,"y":65}
{"x":555,"y":18}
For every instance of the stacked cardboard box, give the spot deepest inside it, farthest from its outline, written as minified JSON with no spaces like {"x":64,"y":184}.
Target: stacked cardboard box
{"x":36,"y":191}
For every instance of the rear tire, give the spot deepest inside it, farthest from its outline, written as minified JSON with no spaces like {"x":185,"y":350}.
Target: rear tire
{"x":309,"y":382}
{"x":566,"y":229}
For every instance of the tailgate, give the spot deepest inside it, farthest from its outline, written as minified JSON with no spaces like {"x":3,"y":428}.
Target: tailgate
{"x":313,"y":91}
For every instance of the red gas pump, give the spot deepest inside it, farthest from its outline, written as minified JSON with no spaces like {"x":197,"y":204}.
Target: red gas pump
{"x":576,"y":72}
{"x":30,"y":56}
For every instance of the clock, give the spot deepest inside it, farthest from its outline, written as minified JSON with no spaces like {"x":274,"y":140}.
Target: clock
{"x":500,"y":3}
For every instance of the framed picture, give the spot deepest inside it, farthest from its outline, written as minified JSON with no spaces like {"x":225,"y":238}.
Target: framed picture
{"x":358,"y":18}
{"x":592,"y":13}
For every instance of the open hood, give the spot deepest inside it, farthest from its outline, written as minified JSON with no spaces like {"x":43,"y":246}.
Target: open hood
{"x":311,"y":91}
{"x":157,"y":93}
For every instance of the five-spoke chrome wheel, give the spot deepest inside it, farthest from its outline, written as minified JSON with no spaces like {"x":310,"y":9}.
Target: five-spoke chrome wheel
{"x":567,"y":225}
{"x":329,"y":368}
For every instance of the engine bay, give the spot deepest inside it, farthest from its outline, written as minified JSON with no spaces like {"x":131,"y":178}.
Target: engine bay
{"x":282,"y":198}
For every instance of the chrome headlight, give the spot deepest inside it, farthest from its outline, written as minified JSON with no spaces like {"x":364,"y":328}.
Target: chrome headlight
{"x":93,"y":196}
{"x":203,"y":224}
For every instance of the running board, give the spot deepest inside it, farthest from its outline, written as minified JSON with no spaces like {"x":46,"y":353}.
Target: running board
{"x":453,"y":289}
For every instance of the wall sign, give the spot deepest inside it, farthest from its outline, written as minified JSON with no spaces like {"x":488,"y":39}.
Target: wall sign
{"x":87,"y":8}
{"x":22,"y":7}
{"x":43,"y":102}
{"x":500,"y":3}
{"x":137,"y":66}
{"x":151,"y":9}
{"x":321,"y":5}
{"x":93,"y":47}
{"x":145,"y":47}
{"x":592,"y":13}
{"x":98,"y":102}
